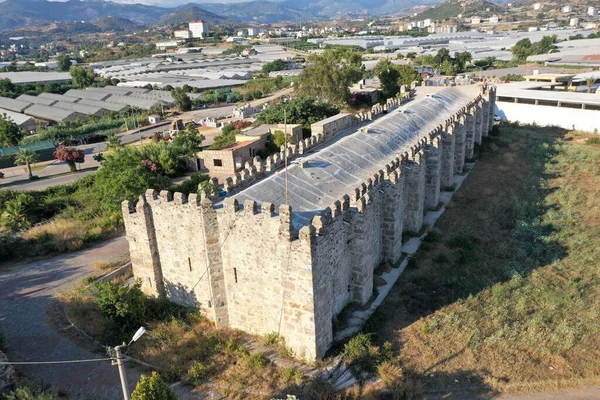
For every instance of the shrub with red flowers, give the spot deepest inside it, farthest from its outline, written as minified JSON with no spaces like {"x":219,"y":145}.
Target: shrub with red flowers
{"x":151,"y":166}
{"x":241,"y":124}
{"x":359,"y":99}
{"x":69,"y":155}
{"x":158,"y":137}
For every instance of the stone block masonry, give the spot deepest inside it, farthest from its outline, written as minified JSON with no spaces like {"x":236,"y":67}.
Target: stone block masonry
{"x":263,"y":267}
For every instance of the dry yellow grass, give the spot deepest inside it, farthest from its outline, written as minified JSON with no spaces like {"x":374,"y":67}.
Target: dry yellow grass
{"x":517,"y":309}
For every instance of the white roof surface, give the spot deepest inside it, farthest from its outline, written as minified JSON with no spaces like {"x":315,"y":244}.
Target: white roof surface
{"x":352,"y":158}
{"x":527,"y":90}
{"x":15,"y":117}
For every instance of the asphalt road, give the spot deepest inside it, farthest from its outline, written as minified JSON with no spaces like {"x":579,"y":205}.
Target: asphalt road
{"x":57,"y":168}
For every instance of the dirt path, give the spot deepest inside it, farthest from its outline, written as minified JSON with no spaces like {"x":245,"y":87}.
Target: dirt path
{"x":25,"y":294}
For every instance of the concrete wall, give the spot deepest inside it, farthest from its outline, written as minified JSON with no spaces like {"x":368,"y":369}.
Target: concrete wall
{"x":247,"y":267}
{"x":332,"y":125}
{"x":568,"y":118}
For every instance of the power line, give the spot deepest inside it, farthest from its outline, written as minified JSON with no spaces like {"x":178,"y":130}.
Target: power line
{"x":53,"y":362}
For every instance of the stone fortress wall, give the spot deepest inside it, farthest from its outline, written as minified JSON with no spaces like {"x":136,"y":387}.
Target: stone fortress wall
{"x":246,"y":266}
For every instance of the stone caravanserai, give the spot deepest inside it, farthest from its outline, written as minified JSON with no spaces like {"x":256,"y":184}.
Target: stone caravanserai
{"x":285,"y":250}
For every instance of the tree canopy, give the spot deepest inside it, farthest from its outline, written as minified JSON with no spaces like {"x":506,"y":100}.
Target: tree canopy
{"x":299,"y":110}
{"x":524,"y":48}
{"x":392,"y":76}
{"x":328,"y":76}
{"x":184,"y":103}
{"x":10,"y":133}
{"x":63,"y":63}
{"x":82,"y":77}
{"x":277,"y":65}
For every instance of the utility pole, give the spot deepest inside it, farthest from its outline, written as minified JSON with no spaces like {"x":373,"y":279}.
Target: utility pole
{"x":122,"y":373}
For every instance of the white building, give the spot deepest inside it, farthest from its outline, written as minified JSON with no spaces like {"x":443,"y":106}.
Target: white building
{"x":254,"y":31}
{"x":199,"y":29}
{"x":183,"y":34}
{"x":494,"y":19}
{"x":592,"y":11}
{"x":168,"y":44}
{"x":574,"y":22}
{"x":567,"y":9}
{"x":538,"y":6}
{"x":427,"y":22}
{"x":475,"y":20}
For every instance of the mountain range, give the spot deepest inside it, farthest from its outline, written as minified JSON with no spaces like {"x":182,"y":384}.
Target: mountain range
{"x":20,"y":13}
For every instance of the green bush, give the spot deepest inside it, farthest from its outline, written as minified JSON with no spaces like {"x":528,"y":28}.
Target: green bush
{"x":153,"y":388}
{"x":360,"y":354}
{"x":197,"y":372}
{"x":124,"y":307}
{"x":256,"y":361}
{"x":31,"y":392}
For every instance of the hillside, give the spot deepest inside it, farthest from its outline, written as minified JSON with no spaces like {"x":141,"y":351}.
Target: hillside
{"x":335,"y":8}
{"x":261,"y":11}
{"x":115,"y":24}
{"x":19,"y":13}
{"x":194,"y":13}
{"x":452,"y":8}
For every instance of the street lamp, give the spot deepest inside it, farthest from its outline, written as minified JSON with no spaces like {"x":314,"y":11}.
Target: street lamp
{"x":119,"y":362}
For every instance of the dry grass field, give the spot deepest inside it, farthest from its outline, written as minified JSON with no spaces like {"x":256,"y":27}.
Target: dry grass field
{"x":503,"y":294}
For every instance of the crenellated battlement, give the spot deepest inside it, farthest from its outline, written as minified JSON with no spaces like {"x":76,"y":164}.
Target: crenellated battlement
{"x":263,"y":267}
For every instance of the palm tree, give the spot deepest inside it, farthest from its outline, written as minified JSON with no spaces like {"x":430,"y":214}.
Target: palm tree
{"x":590,"y":82}
{"x":26,"y":157}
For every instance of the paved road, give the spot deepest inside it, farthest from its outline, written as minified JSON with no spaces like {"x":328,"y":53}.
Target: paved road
{"x":25,"y":294}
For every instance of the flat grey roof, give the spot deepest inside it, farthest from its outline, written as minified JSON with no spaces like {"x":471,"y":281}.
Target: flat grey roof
{"x":52,"y":113}
{"x":527,"y":90}
{"x":13,"y":104}
{"x":57,"y":97}
{"x":353,"y":157}
{"x":15,"y":117}
{"x":107,"y":105}
{"x":87,"y":94}
{"x":80,"y":108}
{"x":36,"y":100}
{"x":145,"y":104}
{"x":34,"y":77}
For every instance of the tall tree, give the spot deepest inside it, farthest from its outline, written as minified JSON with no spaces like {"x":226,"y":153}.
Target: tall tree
{"x":182,"y":99}
{"x":407,"y":75}
{"x":64,"y":63}
{"x":328,"y":76}
{"x":522,"y":49}
{"x":82,"y":77}
{"x":389,"y":78}
{"x":26,"y":157}
{"x":10,"y":133}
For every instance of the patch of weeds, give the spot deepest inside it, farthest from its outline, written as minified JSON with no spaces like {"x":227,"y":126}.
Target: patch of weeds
{"x":173,"y":374}
{"x":467,"y":247}
{"x":593,"y":140}
{"x":433,"y":236}
{"x":256,"y":361}
{"x":292,"y":375}
{"x":272,"y":338}
{"x":412,"y":263}
{"x":197,"y":372}
{"x":88,"y":280}
{"x":441,"y":259}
